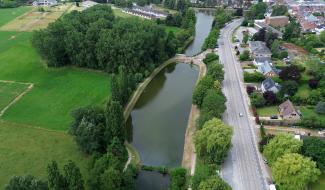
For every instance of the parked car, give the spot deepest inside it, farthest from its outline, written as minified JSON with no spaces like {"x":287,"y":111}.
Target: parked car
{"x":241,"y":115}
{"x":274,"y":117}
{"x":322,"y":132}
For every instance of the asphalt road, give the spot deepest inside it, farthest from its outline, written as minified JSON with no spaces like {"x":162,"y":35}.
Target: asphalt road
{"x":244,"y":168}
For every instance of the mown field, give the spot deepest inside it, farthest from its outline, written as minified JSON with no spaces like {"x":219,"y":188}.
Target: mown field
{"x":9,"y":91}
{"x":56,"y":92}
{"x":7,"y":15}
{"x":26,"y":150}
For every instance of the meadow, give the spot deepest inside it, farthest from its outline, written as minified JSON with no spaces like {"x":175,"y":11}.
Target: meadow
{"x":56,"y":92}
{"x":27,"y":150}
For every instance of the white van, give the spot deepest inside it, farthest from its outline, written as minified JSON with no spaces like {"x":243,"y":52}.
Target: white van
{"x":272,"y":187}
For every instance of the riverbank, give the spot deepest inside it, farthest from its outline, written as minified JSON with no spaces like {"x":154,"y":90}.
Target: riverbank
{"x":189,"y":155}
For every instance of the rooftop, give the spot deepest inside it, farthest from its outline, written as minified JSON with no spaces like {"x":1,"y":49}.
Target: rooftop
{"x":286,"y":108}
{"x":269,"y":83}
{"x":259,"y":47}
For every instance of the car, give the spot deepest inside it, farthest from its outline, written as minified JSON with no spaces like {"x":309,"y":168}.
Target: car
{"x":241,"y":115}
{"x":272,"y":187}
{"x":274,"y":117}
{"x":321,"y":132}
{"x":221,"y":43}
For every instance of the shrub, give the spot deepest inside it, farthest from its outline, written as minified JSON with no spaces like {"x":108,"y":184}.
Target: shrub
{"x":253,"y":77}
{"x":244,"y":56}
{"x":210,"y":57}
{"x":250,"y":89}
{"x":291,"y":72}
{"x":320,"y":108}
{"x":257,"y":99}
{"x":178,"y":179}
{"x":313,"y":83}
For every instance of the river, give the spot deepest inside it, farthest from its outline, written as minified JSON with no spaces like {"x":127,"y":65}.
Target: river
{"x":159,"y":119}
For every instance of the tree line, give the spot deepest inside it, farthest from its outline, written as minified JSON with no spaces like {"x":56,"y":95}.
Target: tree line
{"x":221,"y":18}
{"x":213,"y":138}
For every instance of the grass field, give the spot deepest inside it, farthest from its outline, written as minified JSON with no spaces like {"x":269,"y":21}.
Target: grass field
{"x":26,"y":150}
{"x":268,"y":111}
{"x":308,"y":111}
{"x":118,"y":12}
{"x":9,"y":91}
{"x":35,"y":19}
{"x":56,"y":92}
{"x":7,"y":15}
{"x":320,"y":184}
{"x":303,"y":91}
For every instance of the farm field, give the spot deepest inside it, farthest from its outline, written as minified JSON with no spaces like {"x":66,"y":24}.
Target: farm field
{"x":26,"y":150}
{"x":7,"y":15}
{"x":9,"y":91}
{"x":56,"y":91}
{"x":36,"y":19}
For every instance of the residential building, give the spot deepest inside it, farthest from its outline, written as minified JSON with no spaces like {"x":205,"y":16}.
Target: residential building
{"x":288,"y":111}
{"x":259,"y":49}
{"x":269,"y":85}
{"x":88,"y":4}
{"x":262,"y":60}
{"x":259,"y":24}
{"x":137,"y":13}
{"x":150,"y":11}
{"x":45,"y":3}
{"x":276,"y":21}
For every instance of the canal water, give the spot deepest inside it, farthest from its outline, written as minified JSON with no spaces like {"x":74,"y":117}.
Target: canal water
{"x":159,"y":119}
{"x":204,"y":20}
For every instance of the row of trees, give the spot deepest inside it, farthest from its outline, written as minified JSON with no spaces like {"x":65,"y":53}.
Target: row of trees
{"x":221,"y":18}
{"x":290,"y":169}
{"x":213,"y":138}
{"x":94,"y":38}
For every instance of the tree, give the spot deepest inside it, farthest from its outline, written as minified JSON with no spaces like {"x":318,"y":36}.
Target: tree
{"x":245,"y":38}
{"x":292,"y":171}
{"x":250,"y":89}
{"x":313,"y":83}
{"x":115,"y":89}
{"x":281,"y":144}
{"x":322,"y":37}
{"x":257,"y":99}
{"x":73,"y":176}
{"x":289,"y":87}
{"x":312,"y":122}
{"x":56,"y":180}
{"x":214,"y":103}
{"x":201,"y":89}
{"x":27,"y":182}
{"x":115,"y":122}
{"x":279,"y":10}
{"x":210,"y":57}
{"x":291,"y":30}
{"x":244,"y":56}
{"x":270,"y":97}
{"x":213,"y":141}
{"x":178,"y":179}
{"x":256,"y":11}
{"x":314,"y":148}
{"x":215,"y":70}
{"x":260,"y":35}
{"x":214,"y":183}
{"x":320,"y":108}
{"x":290,"y":73}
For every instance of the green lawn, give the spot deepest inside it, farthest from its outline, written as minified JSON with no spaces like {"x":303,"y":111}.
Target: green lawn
{"x":27,"y":150}
{"x":268,"y":111}
{"x":118,"y":12}
{"x":303,"y":91}
{"x":9,"y":14}
{"x":56,"y":92}
{"x":320,"y":184}
{"x":9,"y":91}
{"x":309,"y":111}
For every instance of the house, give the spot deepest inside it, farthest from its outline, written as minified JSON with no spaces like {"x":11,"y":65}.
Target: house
{"x":45,"y":3}
{"x":267,"y":70}
{"x":88,"y":4}
{"x":269,"y":85}
{"x":150,"y":11}
{"x":261,"y":60}
{"x":259,"y":49}
{"x":259,"y":24}
{"x":288,"y":111}
{"x":276,"y":21}
{"x":138,"y":13}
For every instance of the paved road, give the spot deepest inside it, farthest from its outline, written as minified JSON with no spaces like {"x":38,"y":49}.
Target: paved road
{"x":244,"y":168}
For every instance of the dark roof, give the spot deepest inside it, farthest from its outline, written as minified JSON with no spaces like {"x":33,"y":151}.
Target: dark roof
{"x":263,"y":59}
{"x":259,"y":47}
{"x":269,"y":83}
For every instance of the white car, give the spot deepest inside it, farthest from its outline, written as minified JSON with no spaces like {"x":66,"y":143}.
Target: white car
{"x":241,"y":115}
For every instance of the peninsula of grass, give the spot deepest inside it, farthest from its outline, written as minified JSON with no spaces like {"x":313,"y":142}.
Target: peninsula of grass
{"x":27,"y":150}
{"x":6,"y":15}
{"x":56,"y":91}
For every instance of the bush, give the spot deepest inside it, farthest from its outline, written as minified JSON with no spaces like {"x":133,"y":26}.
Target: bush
{"x":257,"y":100}
{"x":215,"y":70}
{"x":253,"y":77}
{"x":313,"y":83}
{"x":270,"y":98}
{"x":320,"y":108}
{"x":250,"y":89}
{"x":210,"y":57}
{"x":291,"y":72}
{"x":289,"y":87}
{"x":201,"y":89}
{"x":178,"y":179}
{"x":312,"y":122}
{"x":245,"y":56}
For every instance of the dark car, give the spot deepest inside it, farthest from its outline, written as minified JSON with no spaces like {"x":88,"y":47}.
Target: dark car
{"x":274,"y":117}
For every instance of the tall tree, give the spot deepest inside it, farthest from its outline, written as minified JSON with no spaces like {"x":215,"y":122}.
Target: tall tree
{"x":293,"y":171}
{"x":115,"y":122}
{"x":214,"y":183}
{"x":314,"y":148}
{"x":56,"y":179}
{"x":27,"y":182}
{"x":213,"y":141}
{"x":281,"y":144}
{"x":73,"y":176}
